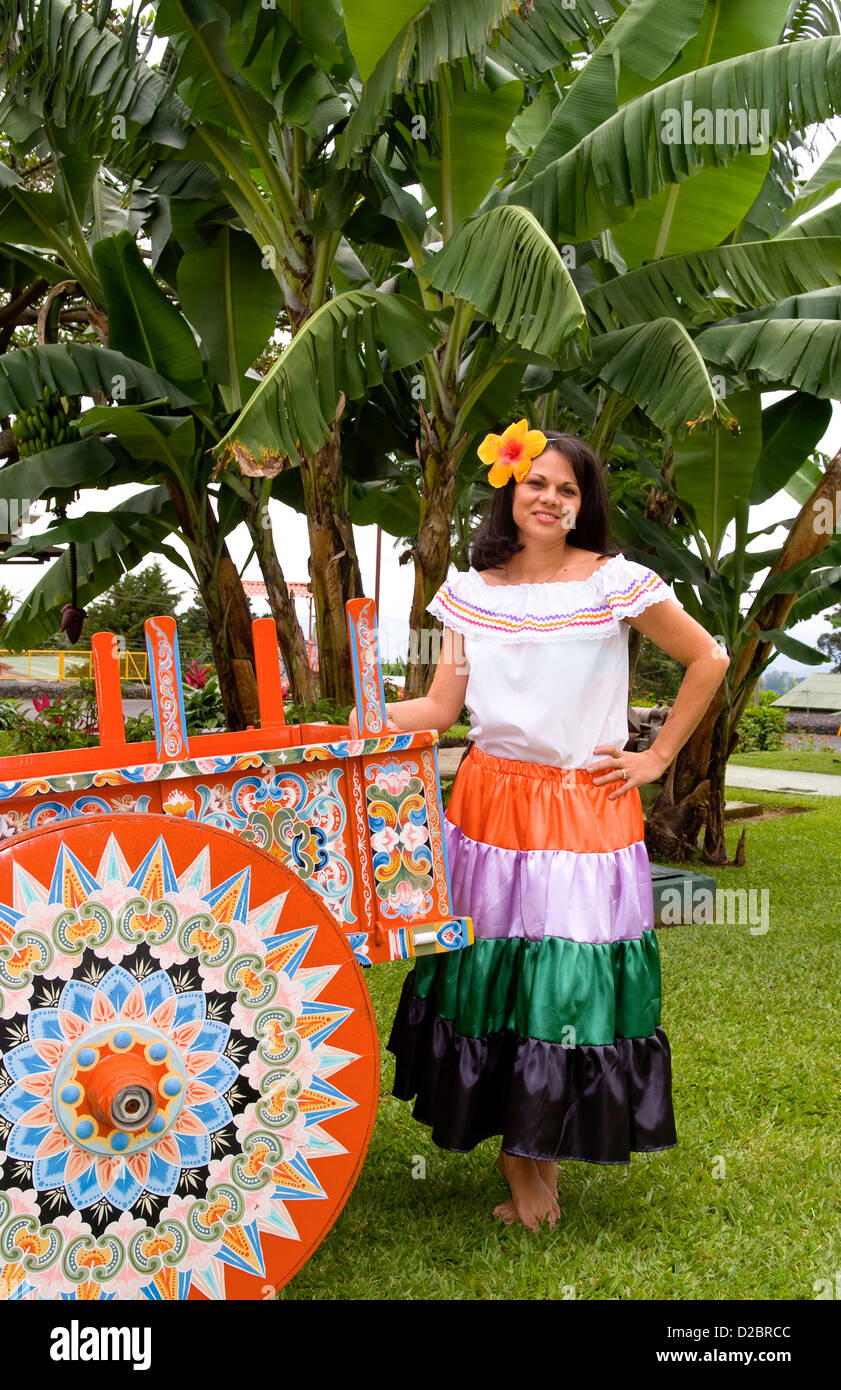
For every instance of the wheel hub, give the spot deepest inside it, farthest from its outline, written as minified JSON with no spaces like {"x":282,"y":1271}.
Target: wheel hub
{"x":119,"y":1089}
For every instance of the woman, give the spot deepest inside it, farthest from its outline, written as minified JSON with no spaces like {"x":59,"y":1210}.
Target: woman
{"x":547,"y":1030}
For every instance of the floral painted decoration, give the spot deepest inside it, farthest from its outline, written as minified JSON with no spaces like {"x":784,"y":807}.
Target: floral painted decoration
{"x":511,"y":452}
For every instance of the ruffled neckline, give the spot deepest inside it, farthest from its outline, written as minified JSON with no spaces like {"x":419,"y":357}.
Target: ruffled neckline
{"x":546,"y":612}
{"x":552,"y":583}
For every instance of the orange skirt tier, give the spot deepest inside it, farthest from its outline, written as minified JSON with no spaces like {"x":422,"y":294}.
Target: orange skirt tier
{"x":517,"y":805}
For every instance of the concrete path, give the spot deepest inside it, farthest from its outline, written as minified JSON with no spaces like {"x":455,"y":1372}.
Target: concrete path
{"x":771,"y":779}
{"x":449,"y":759}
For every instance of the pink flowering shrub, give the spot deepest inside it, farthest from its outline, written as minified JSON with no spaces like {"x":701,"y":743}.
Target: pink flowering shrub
{"x":196,"y":675}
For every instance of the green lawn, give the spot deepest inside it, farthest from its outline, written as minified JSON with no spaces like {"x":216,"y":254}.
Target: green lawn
{"x":747,"y":1206}
{"x":805,"y":759}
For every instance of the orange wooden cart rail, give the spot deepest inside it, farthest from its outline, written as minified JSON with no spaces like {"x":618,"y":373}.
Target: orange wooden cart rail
{"x":360,"y":820}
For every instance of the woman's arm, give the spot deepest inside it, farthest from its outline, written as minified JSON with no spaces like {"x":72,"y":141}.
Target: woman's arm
{"x":442,"y":706}
{"x":679,"y":636}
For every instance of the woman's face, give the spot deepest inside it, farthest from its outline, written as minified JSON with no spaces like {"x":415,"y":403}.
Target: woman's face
{"x":547,"y":501}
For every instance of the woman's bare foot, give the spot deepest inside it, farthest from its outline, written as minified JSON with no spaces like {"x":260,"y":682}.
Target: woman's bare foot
{"x":505,"y":1212}
{"x":548,"y":1174}
{"x":531,"y":1200}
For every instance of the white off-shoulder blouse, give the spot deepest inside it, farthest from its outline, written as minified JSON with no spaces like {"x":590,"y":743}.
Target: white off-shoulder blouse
{"x":548,"y":663}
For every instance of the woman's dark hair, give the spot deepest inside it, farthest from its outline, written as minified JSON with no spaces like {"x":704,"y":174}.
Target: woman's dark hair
{"x":496,"y":539}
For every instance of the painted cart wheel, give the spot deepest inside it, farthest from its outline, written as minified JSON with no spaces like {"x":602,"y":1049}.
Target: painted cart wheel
{"x":189,"y":1066}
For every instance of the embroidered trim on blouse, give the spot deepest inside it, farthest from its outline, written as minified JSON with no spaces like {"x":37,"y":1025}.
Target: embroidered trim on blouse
{"x":627,"y":596}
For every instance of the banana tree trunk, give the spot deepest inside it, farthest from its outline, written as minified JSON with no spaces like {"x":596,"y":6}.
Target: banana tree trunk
{"x":334,"y":567}
{"x":673,"y":823}
{"x":302,"y":684}
{"x":723,"y":742}
{"x":439,"y":457}
{"x":660,"y":507}
{"x":693,"y":793}
{"x":235,"y":646}
{"x":228,"y":614}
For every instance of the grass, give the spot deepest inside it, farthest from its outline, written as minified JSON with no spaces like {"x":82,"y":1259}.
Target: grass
{"x":748,"y":1206}
{"x":454,"y":736}
{"x":805,"y":759}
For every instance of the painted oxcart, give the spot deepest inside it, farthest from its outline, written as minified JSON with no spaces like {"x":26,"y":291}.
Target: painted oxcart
{"x":190,"y":1064}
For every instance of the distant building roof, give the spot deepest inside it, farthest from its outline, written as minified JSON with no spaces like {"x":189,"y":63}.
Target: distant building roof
{"x":38,"y":557}
{"x":818,"y":693}
{"x":255,"y":588}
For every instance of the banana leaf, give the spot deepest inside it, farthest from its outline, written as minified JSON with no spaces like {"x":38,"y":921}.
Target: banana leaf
{"x":79,"y":369}
{"x":143,"y":322}
{"x":336,"y":351}
{"x":658,"y":366}
{"x":118,"y":541}
{"x":626,"y":162}
{"x":709,"y":283}
{"x":504,"y":264}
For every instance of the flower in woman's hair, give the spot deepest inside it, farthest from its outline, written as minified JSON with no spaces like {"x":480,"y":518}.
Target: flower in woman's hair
{"x":511,"y":452}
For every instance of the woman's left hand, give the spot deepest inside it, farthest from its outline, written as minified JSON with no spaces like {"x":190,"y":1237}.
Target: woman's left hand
{"x":640,"y":767}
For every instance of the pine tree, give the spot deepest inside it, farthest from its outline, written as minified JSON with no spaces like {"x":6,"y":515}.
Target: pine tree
{"x":145,"y":593}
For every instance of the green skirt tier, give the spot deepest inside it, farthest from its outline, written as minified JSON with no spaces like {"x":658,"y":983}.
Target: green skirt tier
{"x":561,"y":991}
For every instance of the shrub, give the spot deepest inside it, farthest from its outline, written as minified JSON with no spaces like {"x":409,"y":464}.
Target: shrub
{"x":140,"y":728}
{"x":66,"y":721}
{"x":203,"y":707}
{"x":323,"y":711}
{"x":454,"y":737}
{"x":761,"y":729}
{"x":646,"y":700}
{"x":10,"y":714}
{"x":76,"y":670}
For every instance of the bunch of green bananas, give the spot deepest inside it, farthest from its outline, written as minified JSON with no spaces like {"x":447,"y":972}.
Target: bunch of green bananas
{"x":43,"y":426}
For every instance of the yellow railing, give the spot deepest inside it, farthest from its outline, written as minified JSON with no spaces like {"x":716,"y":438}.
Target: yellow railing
{"x":66,"y":666}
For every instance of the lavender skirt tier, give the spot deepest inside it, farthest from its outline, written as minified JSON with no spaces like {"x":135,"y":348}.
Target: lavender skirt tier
{"x":550,"y":892}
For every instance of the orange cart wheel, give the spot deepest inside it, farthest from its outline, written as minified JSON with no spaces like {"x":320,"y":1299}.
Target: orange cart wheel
{"x":189,"y":1069}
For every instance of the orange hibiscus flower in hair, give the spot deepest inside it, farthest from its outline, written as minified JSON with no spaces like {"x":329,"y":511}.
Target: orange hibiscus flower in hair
{"x":511,"y":452}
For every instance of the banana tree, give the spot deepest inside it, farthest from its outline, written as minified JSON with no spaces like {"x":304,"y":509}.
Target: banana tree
{"x":803,"y":578}
{"x":584,"y":153}
{"x":632,"y":204}
{"x":269,"y":98}
{"x":156,"y":447}
{"x":263,"y":93}
{"x":674,"y":336}
{"x":160,"y":361}
{"x":498,"y":291}
{"x":80,"y":211}
{"x":232,"y":327}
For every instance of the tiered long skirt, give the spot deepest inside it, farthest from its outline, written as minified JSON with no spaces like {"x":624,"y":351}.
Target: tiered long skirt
{"x":547,"y":1030}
